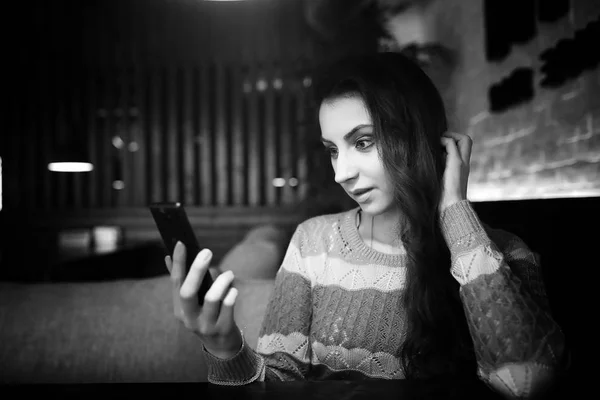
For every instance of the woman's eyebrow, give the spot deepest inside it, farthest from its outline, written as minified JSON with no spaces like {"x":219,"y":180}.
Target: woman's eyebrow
{"x":352,"y":132}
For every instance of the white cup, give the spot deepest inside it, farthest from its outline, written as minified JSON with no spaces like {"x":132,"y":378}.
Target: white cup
{"x":106,"y":238}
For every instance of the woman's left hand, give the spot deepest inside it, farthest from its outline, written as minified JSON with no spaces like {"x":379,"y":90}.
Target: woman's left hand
{"x":456,"y":173}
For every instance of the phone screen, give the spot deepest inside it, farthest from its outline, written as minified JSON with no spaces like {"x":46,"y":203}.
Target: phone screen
{"x":174,"y":225}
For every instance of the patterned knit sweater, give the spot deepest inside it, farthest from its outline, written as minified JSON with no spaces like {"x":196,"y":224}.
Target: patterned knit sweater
{"x":334,"y":310}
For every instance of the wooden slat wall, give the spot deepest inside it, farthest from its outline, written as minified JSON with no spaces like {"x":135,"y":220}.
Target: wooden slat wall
{"x":114,"y":102}
{"x":197,"y":127}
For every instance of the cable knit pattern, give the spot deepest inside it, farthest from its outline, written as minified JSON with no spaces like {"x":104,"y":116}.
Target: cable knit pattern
{"x":335,"y":310}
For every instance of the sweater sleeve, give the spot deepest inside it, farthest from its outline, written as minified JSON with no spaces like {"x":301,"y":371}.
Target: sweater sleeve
{"x":283,"y":351}
{"x":519,"y":346}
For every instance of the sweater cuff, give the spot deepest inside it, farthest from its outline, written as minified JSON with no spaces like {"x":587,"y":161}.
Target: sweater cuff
{"x":241,"y":369}
{"x":459,"y":221}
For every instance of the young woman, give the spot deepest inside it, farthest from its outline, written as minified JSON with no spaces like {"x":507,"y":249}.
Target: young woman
{"x":409,"y":284}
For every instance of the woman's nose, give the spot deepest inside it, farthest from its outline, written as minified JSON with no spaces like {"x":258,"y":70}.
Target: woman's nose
{"x":344,"y":169}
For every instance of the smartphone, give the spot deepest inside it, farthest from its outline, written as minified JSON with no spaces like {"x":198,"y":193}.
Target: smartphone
{"x":173,"y":224}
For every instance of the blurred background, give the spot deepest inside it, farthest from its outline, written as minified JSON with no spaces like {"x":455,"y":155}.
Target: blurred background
{"x":209,"y":103}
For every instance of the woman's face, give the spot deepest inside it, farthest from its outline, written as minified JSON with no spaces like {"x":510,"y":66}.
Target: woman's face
{"x":347,"y":133}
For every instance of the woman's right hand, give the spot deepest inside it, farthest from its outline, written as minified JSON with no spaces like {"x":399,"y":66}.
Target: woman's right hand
{"x":213,"y":322}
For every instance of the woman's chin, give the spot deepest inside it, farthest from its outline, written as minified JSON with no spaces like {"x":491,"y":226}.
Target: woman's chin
{"x":374,"y":208}
{"x":370,"y":208}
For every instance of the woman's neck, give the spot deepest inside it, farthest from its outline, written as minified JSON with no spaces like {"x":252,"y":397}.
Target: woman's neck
{"x":381,"y":231}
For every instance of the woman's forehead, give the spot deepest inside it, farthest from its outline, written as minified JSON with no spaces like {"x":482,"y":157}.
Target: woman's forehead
{"x":343,"y":112}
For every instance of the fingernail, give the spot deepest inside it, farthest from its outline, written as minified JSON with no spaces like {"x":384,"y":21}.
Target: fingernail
{"x":206,"y":254}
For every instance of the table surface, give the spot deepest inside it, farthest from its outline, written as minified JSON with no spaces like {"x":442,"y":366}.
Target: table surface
{"x":325,"y":390}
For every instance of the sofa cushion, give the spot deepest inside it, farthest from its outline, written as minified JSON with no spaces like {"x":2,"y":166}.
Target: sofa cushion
{"x":259,"y":255}
{"x":117,"y":331}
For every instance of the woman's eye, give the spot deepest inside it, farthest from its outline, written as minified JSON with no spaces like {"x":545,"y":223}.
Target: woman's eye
{"x":363,"y":144}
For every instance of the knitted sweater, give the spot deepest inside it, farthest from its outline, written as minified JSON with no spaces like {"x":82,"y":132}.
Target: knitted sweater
{"x":334,"y":311}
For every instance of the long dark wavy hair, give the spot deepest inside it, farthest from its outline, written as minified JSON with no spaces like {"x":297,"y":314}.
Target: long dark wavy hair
{"x":409,"y":118}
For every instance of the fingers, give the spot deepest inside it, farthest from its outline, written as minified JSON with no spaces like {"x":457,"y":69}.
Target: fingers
{"x":226,"y":315}
{"x":451,"y":149}
{"x":219,"y":300}
{"x":464,"y":143}
{"x":169,"y":264}
{"x":189,"y":289}
{"x":217,"y":293}
{"x":175,"y":286}
{"x":178,"y":264}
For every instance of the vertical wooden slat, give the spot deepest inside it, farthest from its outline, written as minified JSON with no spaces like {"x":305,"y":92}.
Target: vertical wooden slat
{"x":27,"y":134}
{"x":177,"y":114}
{"x":155,"y":136}
{"x":285,"y":134}
{"x":128,"y":175}
{"x":92,"y":139}
{"x":195,"y":117}
{"x":47,"y":136}
{"x":302,"y":166}
{"x":245,"y":40}
{"x":76,"y":132}
{"x":246,"y":135}
{"x":229,"y":129}
{"x":263,"y":40}
{"x":253,"y":148}
{"x":12,"y":163}
{"x":116,"y":123}
{"x":35,"y":144}
{"x":61,"y":133}
{"x":172,"y":158}
{"x":293,"y":163}
{"x":220,"y":135}
{"x":206,"y":157}
{"x":118,"y":118}
{"x":106,"y":154}
{"x":71,"y":100}
{"x":269,"y":137}
{"x":37,"y":141}
{"x":138,"y":129}
{"x":188,"y":136}
{"x":68,"y":134}
{"x":254,"y":142}
{"x":237,"y":136}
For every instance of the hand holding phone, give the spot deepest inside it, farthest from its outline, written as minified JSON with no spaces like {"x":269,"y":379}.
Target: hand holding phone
{"x":212,"y":320}
{"x":174,"y":226}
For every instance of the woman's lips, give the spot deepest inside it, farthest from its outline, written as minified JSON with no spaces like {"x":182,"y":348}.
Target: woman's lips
{"x":362,"y":195}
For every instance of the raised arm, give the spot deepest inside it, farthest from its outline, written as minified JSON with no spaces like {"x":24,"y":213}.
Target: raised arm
{"x":283,"y":350}
{"x":519,"y":346}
